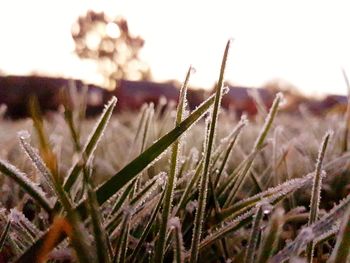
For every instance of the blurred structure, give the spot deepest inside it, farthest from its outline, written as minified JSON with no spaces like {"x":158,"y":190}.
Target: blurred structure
{"x":15,"y":92}
{"x":110,"y":43}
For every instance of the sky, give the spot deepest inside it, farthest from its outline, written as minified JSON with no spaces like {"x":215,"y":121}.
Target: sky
{"x":305,"y":43}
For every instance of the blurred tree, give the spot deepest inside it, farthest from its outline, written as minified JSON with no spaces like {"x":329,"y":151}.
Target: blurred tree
{"x":110,"y":44}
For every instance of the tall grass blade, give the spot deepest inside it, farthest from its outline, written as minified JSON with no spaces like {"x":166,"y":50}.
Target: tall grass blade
{"x":316,"y":190}
{"x":96,"y":220}
{"x":131,"y":170}
{"x":203,"y":187}
{"x":234,"y":136}
{"x":254,"y":234}
{"x":169,"y":191}
{"x":120,"y":251}
{"x":146,"y":231}
{"x":91,"y":144}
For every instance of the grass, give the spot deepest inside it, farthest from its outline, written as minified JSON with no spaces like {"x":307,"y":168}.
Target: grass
{"x":172,"y":186}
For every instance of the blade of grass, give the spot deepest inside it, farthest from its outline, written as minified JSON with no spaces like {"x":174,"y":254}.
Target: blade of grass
{"x":203,"y":187}
{"x":254,"y":235}
{"x":272,"y":234}
{"x":234,"y":136}
{"x":259,"y":143}
{"x":120,"y":250}
{"x":315,"y":231}
{"x":91,"y":143}
{"x":169,"y":191}
{"x":131,"y":170}
{"x":316,"y":191}
{"x":26,"y":184}
{"x":97,"y":224}
{"x":36,"y":160}
{"x":134,"y":257}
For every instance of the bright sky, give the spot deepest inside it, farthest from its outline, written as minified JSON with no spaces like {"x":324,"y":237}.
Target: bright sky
{"x":303,"y":42}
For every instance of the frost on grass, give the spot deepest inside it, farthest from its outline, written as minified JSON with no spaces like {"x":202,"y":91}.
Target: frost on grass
{"x":37,"y":161}
{"x":328,"y":223}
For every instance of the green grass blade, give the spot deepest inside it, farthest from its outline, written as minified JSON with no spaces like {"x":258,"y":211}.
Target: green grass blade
{"x":259,"y":144}
{"x":234,"y":136}
{"x":316,"y":191}
{"x":254,"y":234}
{"x":134,"y":257}
{"x":203,"y":188}
{"x":26,"y":184}
{"x":91,"y":143}
{"x":272,"y":234}
{"x":169,"y":191}
{"x":79,"y":236}
{"x":4,"y":234}
{"x":130,"y":171}
{"x":120,"y":250}
{"x":189,"y":187}
{"x":96,"y":220}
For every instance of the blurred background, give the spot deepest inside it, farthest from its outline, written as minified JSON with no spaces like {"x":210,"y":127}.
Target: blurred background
{"x":298,"y":45}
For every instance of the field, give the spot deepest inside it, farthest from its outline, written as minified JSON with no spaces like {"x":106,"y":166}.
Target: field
{"x":168,"y":185}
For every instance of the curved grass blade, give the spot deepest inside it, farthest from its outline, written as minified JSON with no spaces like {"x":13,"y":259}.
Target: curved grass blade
{"x":316,"y":191}
{"x":91,"y":144}
{"x":203,"y":187}
{"x":27,"y":185}
{"x":130,"y":171}
{"x":169,"y":191}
